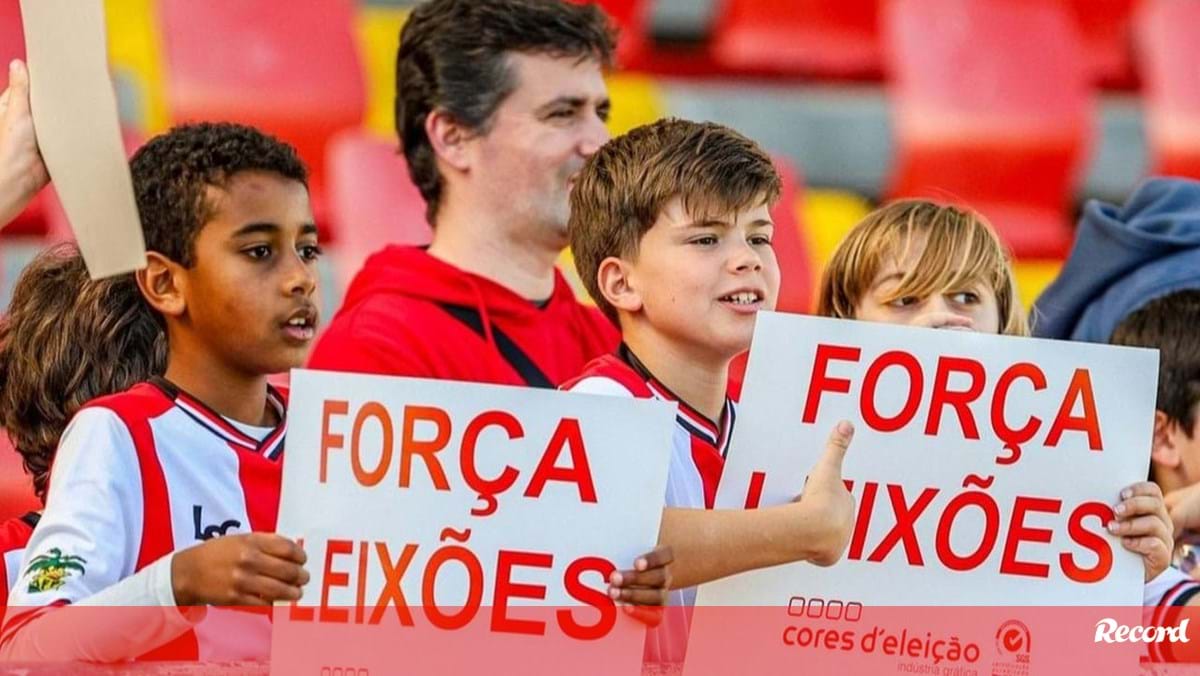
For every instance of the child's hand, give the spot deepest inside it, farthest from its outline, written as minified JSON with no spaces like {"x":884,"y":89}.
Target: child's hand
{"x":1184,"y":508}
{"x":644,"y":589}
{"x":826,"y":503}
{"x":22,"y":173}
{"x":254,"y":569}
{"x":1144,"y":526}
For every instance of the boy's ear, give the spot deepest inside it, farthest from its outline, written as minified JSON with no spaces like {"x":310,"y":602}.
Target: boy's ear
{"x":163,"y":283}
{"x":615,"y":286}
{"x":448,"y":138}
{"x":1165,"y":451}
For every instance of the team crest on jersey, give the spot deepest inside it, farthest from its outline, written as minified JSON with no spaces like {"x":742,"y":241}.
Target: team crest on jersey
{"x":50,"y":571}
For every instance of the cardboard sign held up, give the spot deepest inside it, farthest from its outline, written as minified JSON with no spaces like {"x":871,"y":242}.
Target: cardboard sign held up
{"x":465,"y":528}
{"x":79,"y":134}
{"x":984,"y":468}
{"x":1024,"y":423}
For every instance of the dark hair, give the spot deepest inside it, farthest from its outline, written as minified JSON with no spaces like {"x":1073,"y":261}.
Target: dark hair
{"x":68,"y":339}
{"x":452,"y":56}
{"x":172,"y":172}
{"x":624,"y":186}
{"x":1170,"y":323}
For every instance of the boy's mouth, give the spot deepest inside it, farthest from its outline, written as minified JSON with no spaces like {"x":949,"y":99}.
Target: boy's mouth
{"x":744,"y":301}
{"x":301,"y":326}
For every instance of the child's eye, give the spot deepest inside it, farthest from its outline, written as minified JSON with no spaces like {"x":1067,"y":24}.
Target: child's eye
{"x":258,"y":252}
{"x":705,"y":240}
{"x":905,"y":301}
{"x":965,"y":298}
{"x":310,"y":252}
{"x":760,"y":240}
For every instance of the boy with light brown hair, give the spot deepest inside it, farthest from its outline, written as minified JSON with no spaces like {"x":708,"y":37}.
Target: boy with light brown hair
{"x":671,"y":231}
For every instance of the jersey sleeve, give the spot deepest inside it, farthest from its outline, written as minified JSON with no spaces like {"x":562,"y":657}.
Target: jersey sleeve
{"x":1172,"y":587}
{"x":84,"y":552}
{"x":89,"y":535}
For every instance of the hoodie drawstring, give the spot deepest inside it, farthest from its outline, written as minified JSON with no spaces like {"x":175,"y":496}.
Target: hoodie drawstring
{"x":484,"y":317}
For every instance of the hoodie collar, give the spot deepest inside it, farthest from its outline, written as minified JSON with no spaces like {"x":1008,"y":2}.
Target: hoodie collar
{"x":410,"y":271}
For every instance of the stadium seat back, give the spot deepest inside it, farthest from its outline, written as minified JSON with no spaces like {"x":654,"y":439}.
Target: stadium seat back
{"x":823,"y":38}
{"x":12,"y":37}
{"x":1106,"y":27}
{"x":791,"y":247}
{"x":373,"y":202}
{"x":632,"y":18}
{"x":991,"y":105}
{"x":32,"y":220}
{"x":289,"y":68}
{"x":1169,"y":53}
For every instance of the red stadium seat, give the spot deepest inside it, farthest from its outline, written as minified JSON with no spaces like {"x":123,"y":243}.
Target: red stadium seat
{"x":16,"y":488}
{"x":824,"y":38}
{"x":1169,"y":54}
{"x":791,"y":249}
{"x":32,"y":220}
{"x":1106,"y":27}
{"x":12,"y":36}
{"x":289,"y":68}
{"x":372,"y":200}
{"x":631,"y":18}
{"x":992,"y":108}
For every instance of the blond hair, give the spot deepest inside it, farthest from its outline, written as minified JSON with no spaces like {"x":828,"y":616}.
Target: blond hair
{"x":960,"y":248}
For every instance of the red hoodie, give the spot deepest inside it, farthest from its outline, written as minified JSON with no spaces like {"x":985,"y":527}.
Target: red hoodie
{"x":409,"y":314}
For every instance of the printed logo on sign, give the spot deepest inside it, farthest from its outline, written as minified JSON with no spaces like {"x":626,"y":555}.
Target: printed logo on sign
{"x":50,"y":571}
{"x":210,"y":532}
{"x":1012,"y":638}
{"x":798,"y":606}
{"x":1013,"y":643}
{"x":1109,"y":630}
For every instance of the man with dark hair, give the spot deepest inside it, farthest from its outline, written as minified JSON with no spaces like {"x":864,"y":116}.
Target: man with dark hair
{"x":498,"y":104}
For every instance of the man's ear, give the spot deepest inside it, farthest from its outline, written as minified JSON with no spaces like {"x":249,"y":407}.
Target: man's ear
{"x":613,"y":277}
{"x":448,"y":138}
{"x":1165,"y":449}
{"x":163,"y":284}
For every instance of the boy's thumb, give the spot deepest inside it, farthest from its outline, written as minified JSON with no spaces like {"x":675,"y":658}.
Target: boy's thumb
{"x":836,"y":447}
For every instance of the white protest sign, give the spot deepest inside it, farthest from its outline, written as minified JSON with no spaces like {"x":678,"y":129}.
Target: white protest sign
{"x":983,"y":466}
{"x":456,"y":526}
{"x":79,"y":133}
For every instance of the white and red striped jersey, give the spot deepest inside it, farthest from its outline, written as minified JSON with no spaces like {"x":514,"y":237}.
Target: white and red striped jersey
{"x":698,"y":451}
{"x":137,"y":476}
{"x":699,"y":444}
{"x":14,"y":535}
{"x":1162,"y":598}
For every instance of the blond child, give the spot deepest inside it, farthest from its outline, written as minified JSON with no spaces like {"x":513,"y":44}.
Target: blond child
{"x":920,"y":263}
